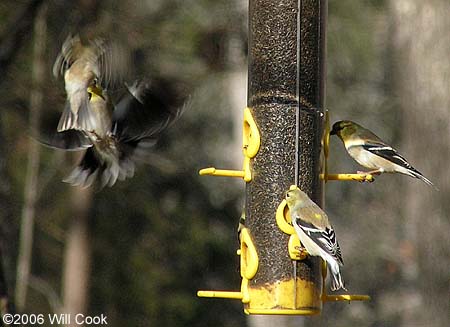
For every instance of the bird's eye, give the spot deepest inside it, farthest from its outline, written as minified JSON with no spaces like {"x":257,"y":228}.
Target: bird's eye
{"x":89,"y":95}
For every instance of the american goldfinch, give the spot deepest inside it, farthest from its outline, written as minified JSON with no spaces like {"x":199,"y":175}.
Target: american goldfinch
{"x":315,"y":233}
{"x":371,"y":152}
{"x":119,"y":138}
{"x":83,"y":65}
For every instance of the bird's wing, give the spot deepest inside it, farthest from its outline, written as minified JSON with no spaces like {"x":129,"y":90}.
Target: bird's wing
{"x":324,"y":238}
{"x":386,"y":152}
{"x":69,"y":140}
{"x":113,"y":62}
{"x":136,"y":150}
{"x":140,"y":117}
{"x":97,"y":168}
{"x":110,"y":60}
{"x":142,"y":114}
{"x":85,"y":174}
{"x":313,"y":214}
{"x":69,"y":51}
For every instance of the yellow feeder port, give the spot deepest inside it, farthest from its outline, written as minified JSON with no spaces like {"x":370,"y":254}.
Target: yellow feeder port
{"x":348,"y":177}
{"x":251,"y":142}
{"x":249,"y":266}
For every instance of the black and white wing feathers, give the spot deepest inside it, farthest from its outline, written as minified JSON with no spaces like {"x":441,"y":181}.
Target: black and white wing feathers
{"x":324,"y":238}
{"x":388,"y":153}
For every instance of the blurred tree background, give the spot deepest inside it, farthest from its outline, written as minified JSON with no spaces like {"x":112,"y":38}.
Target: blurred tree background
{"x":139,"y":251}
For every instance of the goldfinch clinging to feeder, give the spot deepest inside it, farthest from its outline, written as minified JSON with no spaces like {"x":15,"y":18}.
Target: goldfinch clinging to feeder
{"x":315,"y":233}
{"x":83,"y":65}
{"x":241,"y":225}
{"x":120,"y":138}
{"x":371,"y":152}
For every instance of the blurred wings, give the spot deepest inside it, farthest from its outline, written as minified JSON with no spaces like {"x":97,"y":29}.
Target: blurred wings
{"x":141,"y":116}
{"x":70,"y":140}
{"x":111,"y":59}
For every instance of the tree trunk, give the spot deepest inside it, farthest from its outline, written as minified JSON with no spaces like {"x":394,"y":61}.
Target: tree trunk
{"x":77,"y":256}
{"x":77,"y":264}
{"x":421,"y":46}
{"x":31,"y":183}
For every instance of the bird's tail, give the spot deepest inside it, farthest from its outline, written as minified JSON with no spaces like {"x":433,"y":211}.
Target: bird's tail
{"x":417,"y":174}
{"x":337,"y":282}
{"x":107,"y":170}
{"x":77,"y":113}
{"x":68,"y":119}
{"x":85,"y":174}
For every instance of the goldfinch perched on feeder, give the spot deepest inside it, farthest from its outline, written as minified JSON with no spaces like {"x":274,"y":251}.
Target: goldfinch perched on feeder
{"x":371,"y":152}
{"x":315,"y":233}
{"x":120,"y":138}
{"x":82,"y":66}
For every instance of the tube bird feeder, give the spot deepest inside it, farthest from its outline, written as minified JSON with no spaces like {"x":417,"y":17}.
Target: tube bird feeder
{"x":286,"y":83}
{"x":286,"y":87}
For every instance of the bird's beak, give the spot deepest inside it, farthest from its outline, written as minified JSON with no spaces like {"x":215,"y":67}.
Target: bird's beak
{"x":333,"y":131}
{"x":96,"y":90}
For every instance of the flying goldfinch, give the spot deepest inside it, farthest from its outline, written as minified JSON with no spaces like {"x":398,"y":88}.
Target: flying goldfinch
{"x":371,"y":152}
{"x":315,"y":233}
{"x":83,"y":65}
{"x":101,"y":160}
{"x":119,"y":138}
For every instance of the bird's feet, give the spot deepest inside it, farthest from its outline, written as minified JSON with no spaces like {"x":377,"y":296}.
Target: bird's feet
{"x":369,"y":175}
{"x":93,"y":134}
{"x":302,"y":253}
